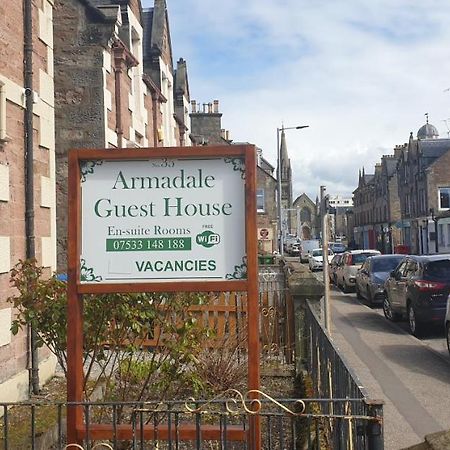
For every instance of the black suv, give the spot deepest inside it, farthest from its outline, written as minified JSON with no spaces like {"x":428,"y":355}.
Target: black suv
{"x":418,"y":289}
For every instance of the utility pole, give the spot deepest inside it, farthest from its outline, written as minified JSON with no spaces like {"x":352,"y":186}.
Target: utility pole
{"x":326,"y":278}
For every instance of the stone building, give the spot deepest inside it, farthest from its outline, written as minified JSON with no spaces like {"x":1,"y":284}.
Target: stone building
{"x":266,"y":205}
{"x":114,"y":84}
{"x":377,"y":207}
{"x":285,"y":170}
{"x":423,"y":172}
{"x":338,"y":207}
{"x":206,"y":124}
{"x":363,"y":200}
{"x":305,"y":218}
{"x":27,"y":177}
{"x":406,"y":201}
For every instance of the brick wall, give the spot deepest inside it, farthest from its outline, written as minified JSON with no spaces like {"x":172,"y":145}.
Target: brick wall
{"x":13,"y":349}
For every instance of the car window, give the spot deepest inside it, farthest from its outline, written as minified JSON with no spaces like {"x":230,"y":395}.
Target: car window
{"x":385,"y":264}
{"x":401,"y":270}
{"x":317,"y":253}
{"x":438,"y":269}
{"x":359,"y":258}
{"x":411,"y":268}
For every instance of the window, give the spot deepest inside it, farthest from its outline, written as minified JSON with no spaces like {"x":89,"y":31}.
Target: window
{"x":448,"y":234}
{"x":260,"y":207}
{"x":444,"y":198}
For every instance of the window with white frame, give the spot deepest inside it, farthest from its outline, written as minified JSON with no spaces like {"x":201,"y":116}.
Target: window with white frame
{"x":444,"y":197}
{"x":260,"y":207}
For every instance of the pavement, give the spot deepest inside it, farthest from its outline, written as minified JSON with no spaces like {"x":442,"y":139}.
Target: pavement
{"x":411,"y":376}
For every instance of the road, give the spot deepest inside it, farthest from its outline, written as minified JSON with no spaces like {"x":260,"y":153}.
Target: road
{"x":412,"y":376}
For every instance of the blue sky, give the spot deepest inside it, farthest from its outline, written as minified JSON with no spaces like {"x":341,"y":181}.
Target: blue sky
{"x":360,"y":73}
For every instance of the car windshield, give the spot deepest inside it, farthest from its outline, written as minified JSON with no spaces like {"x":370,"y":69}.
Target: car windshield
{"x":317,"y":252}
{"x":385,"y":264}
{"x":338,"y":247}
{"x":438,"y":269}
{"x":359,"y":258}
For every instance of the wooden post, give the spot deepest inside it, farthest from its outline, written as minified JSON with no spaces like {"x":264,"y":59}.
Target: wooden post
{"x":76,"y":289}
{"x":252,"y":292}
{"x":74,"y":307}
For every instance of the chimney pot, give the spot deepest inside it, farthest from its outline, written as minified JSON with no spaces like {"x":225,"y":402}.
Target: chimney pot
{"x":216,"y":106}
{"x":194,"y":106}
{"x":209,"y":108}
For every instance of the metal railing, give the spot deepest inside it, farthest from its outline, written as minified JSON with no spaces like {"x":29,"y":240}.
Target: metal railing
{"x":333,"y":378}
{"x":217,"y":424}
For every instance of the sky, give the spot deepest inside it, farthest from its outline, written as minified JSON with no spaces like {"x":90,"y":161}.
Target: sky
{"x":361,"y":73}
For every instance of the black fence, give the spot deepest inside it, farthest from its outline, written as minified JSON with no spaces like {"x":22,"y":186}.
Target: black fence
{"x":333,"y":378}
{"x":218,"y":424}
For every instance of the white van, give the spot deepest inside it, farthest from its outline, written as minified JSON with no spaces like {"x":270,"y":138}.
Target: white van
{"x":306,"y":248}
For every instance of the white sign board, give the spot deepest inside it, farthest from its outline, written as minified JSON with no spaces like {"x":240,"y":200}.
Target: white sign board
{"x":163,"y":219}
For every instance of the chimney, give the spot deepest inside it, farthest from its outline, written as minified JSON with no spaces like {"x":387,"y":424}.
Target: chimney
{"x":209,"y":108}
{"x":204,"y":107}
{"x":216,"y":106}
{"x":398,"y":151}
{"x":194,"y":106}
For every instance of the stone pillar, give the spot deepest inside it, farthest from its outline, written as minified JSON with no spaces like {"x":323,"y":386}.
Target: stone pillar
{"x":303,"y":286}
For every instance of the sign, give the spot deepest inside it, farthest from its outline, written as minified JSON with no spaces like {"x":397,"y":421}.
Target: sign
{"x":163,"y":219}
{"x":264,"y":234}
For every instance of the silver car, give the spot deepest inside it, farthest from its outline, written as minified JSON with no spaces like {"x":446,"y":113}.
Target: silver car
{"x":349,"y":265}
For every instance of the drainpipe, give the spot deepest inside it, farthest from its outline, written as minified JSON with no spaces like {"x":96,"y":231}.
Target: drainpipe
{"x":155,"y":119}
{"x":29,"y":179}
{"x":118,"y":70}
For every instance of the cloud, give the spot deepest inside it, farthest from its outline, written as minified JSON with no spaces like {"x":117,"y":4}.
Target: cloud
{"x":362,"y":74}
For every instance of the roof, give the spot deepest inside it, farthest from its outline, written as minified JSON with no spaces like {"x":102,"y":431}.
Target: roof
{"x":427,"y":131}
{"x":433,"y":148}
{"x":429,"y":258}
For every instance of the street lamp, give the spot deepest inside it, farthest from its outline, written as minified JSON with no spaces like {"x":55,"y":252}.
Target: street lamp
{"x":282,"y":129}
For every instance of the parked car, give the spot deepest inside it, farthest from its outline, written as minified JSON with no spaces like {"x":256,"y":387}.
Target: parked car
{"x":289,"y":243}
{"x":307,"y":246}
{"x":315,"y":260}
{"x":418,"y":289}
{"x":349,"y":265}
{"x":337,"y":247}
{"x":372,"y":275}
{"x":294,"y":249}
{"x":334,"y":263}
{"x":447,"y":324}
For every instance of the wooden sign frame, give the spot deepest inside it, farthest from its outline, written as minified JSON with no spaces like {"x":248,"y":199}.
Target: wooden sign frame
{"x":76,"y":288}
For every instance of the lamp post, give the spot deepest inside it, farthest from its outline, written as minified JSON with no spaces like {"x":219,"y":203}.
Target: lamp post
{"x":279,"y":209}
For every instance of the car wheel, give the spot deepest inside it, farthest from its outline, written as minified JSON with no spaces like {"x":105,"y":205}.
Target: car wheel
{"x":448,"y":337}
{"x":369,"y":297}
{"x":415,"y":326}
{"x":387,"y":310}
{"x":345,"y":288}
{"x":358,"y":293}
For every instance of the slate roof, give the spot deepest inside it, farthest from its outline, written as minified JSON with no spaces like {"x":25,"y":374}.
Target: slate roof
{"x":433,"y":148}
